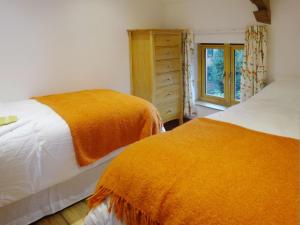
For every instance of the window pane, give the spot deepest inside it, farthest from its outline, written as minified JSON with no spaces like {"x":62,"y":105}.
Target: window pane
{"x":214,"y":72}
{"x":238,"y":63}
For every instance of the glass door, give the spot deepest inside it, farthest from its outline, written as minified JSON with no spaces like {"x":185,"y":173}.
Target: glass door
{"x":215,"y":71}
{"x":237,"y":57}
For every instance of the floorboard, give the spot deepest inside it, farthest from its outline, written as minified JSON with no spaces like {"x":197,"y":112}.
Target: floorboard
{"x":55,"y":219}
{"x":73,"y":215}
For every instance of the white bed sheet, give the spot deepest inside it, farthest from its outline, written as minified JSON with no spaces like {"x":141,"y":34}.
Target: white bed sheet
{"x":52,"y":199}
{"x":36,"y":152}
{"x":275,"y":110}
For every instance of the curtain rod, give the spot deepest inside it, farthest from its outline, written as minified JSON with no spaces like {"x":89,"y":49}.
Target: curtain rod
{"x":220,"y":31}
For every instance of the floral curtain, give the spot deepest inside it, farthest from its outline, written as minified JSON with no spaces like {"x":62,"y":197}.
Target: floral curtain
{"x":255,"y":61}
{"x":188,"y":74}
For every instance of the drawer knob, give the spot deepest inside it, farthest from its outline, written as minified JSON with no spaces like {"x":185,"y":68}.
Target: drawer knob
{"x":169,"y":111}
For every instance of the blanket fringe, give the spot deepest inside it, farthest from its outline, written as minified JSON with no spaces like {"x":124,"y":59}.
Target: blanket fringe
{"x":122,"y":209}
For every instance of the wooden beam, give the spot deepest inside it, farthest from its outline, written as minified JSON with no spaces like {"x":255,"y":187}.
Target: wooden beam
{"x":261,"y":4}
{"x":263,"y":14}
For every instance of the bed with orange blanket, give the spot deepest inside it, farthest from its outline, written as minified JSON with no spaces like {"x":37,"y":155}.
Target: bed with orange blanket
{"x":210,"y":171}
{"x":52,"y":156}
{"x":95,"y":116}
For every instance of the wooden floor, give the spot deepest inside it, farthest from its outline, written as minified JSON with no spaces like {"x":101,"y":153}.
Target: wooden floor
{"x":74,"y":215}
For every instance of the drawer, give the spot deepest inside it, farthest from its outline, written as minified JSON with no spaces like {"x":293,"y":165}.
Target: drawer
{"x":167,"y":79}
{"x":167,"y":40}
{"x":169,"y":112}
{"x":166,"y":95}
{"x":167,"y":53}
{"x":166,"y":66}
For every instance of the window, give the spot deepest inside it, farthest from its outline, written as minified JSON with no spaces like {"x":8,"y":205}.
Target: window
{"x":220,"y":70}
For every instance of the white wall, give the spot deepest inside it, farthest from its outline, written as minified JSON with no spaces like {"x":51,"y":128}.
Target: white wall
{"x":49,"y":46}
{"x":284,"y":37}
{"x":210,"y":15}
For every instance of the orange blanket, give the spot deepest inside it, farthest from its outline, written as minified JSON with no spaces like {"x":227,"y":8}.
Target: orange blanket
{"x":205,"y":173}
{"x":103,"y":120}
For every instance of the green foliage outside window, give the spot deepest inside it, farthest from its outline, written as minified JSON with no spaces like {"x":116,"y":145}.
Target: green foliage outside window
{"x":238,"y":56}
{"x":215,"y":72}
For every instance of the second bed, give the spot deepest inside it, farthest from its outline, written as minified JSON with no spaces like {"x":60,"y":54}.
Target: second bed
{"x":274,"y":111}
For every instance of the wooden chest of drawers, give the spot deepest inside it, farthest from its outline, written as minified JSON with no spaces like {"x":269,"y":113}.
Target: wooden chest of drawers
{"x":156,"y":70}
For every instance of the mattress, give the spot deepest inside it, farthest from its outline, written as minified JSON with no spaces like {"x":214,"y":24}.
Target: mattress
{"x":275,"y":110}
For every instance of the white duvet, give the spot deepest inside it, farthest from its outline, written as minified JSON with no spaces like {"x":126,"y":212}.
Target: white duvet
{"x":275,"y":110}
{"x":36,"y":152}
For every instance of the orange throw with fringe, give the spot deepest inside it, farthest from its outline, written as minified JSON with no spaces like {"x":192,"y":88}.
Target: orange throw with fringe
{"x":205,"y":173}
{"x":101,"y":121}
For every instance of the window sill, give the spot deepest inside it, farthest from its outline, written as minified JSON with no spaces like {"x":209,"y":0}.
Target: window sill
{"x":211,"y":105}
